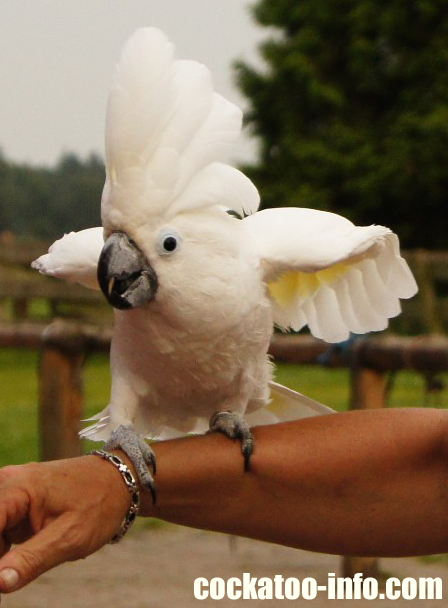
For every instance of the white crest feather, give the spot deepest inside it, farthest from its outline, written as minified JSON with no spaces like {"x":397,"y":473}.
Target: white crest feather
{"x":167,"y":133}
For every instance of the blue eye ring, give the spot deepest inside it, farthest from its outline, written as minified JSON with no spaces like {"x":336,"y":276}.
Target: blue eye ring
{"x":168,"y":242}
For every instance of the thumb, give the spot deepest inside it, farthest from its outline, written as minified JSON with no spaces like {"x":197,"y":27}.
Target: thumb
{"x":48,"y":548}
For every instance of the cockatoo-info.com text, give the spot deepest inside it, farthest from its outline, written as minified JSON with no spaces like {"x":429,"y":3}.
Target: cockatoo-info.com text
{"x":196,"y":289}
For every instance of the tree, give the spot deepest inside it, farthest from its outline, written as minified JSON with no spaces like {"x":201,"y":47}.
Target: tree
{"x":76,"y":191}
{"x":46,"y":202}
{"x":351,"y":110}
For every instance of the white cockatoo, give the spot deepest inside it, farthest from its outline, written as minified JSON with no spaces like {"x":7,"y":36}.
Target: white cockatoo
{"x":197,"y":290}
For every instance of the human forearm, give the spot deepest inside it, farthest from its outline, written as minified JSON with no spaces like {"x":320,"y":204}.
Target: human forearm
{"x":356,"y":483}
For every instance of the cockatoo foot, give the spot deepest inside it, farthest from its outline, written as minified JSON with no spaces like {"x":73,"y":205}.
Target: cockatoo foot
{"x":139,"y":453}
{"x":235,"y":427}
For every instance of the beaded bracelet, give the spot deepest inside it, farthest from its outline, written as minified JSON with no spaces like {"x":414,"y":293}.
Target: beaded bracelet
{"x":132,"y":487}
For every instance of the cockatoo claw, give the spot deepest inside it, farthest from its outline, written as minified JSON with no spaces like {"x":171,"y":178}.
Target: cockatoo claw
{"x":235,"y":427}
{"x":138,"y":451}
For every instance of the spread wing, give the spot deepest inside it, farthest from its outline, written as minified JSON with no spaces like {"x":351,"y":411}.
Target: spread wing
{"x":74,"y":257}
{"x":323,"y":271}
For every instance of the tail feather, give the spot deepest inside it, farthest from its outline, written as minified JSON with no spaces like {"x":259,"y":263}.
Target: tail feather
{"x":286,"y":405}
{"x":98,"y":431}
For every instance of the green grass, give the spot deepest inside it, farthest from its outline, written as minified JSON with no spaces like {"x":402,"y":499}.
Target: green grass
{"x":329,"y":386}
{"x":18,"y":406}
{"x":19,"y":401}
{"x":19,"y":395}
{"x":332,"y":386}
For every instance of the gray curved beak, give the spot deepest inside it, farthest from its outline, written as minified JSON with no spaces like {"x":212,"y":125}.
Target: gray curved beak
{"x":125,"y":276}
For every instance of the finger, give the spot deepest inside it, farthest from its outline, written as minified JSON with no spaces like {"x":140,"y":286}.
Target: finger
{"x":50,"y":547}
{"x":19,"y":533}
{"x":14,"y":506}
{"x":5,"y":546}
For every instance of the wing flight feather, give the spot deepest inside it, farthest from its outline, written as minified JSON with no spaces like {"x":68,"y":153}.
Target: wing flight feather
{"x":323,"y":271}
{"x":74,"y":257}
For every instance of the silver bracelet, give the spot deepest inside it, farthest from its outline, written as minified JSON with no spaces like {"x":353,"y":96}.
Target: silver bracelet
{"x":132,"y":487}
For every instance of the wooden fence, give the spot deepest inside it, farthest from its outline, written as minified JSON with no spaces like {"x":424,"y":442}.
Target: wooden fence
{"x":426,"y":313}
{"x":64,"y":347}
{"x":20,"y":284}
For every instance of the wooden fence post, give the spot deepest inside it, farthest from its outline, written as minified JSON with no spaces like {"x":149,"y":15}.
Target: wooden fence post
{"x":20,"y":308}
{"x":368,"y":388}
{"x":368,"y":566}
{"x":368,"y":391}
{"x":60,"y":402}
{"x":424,"y":273}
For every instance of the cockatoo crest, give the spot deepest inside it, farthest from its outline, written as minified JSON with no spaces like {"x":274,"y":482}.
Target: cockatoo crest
{"x":167,"y":133}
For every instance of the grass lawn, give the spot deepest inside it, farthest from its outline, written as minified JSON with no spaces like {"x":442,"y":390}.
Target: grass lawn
{"x":19,"y":401}
{"x":19,"y":390}
{"x":331,"y":386}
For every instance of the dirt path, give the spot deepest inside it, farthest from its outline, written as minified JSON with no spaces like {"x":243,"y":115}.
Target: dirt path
{"x":156,"y":569}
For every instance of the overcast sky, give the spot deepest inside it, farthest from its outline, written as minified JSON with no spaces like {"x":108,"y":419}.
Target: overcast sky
{"x":57,"y":59}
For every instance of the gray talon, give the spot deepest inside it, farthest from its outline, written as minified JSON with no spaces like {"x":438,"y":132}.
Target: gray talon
{"x":138,"y":451}
{"x":235,"y":427}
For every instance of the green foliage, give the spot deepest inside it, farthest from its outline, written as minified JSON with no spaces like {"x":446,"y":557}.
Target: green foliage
{"x":351,"y":109}
{"x":46,"y":202}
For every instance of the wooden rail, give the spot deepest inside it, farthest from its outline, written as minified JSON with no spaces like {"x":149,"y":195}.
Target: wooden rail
{"x":30,"y":286}
{"x":65,"y":345}
{"x":20,"y":284}
{"x":382,"y":353}
{"x":427,"y":312}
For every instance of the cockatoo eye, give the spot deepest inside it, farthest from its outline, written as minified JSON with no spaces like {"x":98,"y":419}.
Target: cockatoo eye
{"x":168,"y":242}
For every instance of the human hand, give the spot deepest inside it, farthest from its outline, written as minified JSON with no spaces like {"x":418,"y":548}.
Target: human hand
{"x":55,"y":512}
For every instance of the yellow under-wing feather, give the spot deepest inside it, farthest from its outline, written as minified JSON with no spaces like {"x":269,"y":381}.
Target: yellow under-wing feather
{"x":323,"y":271}
{"x":297,"y":284}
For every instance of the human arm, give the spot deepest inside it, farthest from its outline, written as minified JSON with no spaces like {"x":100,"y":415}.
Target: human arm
{"x":366,"y":483}
{"x":357,"y":483}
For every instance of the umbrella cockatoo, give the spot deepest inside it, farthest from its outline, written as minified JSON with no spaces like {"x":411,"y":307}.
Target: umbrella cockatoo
{"x":198,"y":277}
